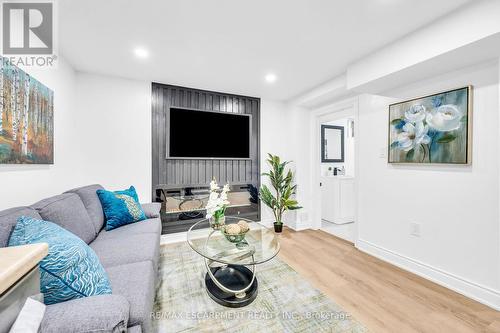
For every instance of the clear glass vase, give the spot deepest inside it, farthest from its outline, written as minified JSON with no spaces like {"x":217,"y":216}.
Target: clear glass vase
{"x":217,"y":222}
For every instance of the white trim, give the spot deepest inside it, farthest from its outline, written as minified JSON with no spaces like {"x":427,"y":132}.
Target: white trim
{"x":356,"y":169}
{"x":475,"y":291}
{"x":498,"y":245}
{"x":173,"y":238}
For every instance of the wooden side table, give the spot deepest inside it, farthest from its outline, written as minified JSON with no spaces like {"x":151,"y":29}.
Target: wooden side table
{"x":19,"y":279}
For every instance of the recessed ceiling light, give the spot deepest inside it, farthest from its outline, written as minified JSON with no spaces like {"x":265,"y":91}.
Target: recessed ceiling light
{"x":270,"y":78}
{"x":141,"y":52}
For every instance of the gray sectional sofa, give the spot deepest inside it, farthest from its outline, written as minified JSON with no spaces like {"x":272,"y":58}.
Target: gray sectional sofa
{"x":129,"y":255}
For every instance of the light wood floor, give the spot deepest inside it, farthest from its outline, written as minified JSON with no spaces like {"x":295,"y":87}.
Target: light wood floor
{"x":381,"y":296}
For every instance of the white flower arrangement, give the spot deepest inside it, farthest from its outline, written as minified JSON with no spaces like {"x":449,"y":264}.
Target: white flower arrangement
{"x":217,"y":201}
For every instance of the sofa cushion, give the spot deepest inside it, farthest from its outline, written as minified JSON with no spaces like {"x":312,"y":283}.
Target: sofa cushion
{"x":102,"y":313}
{"x":67,"y":210}
{"x":140,"y":275}
{"x":143,"y":227}
{"x":120,"y":207}
{"x":8,"y":219}
{"x":120,"y":249}
{"x":92,"y":204}
{"x":151,"y":209}
{"x":70,"y":270}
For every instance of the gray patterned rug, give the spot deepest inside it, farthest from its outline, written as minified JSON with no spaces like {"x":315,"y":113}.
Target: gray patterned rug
{"x":285,"y":302}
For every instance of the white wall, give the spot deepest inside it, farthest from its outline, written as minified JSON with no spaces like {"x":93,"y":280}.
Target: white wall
{"x":297,"y":138}
{"x":114,"y":131}
{"x":285,"y":131}
{"x":272,"y":121}
{"x":102,"y":129}
{"x":26,"y":184}
{"x":456,"y":206}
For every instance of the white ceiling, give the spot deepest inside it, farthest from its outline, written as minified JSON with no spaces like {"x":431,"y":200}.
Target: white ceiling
{"x":230,"y":45}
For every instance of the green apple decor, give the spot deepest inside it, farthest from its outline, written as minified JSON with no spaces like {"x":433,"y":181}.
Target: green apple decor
{"x":284,"y":188}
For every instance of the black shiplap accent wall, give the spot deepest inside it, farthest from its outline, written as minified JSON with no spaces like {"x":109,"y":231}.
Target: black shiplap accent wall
{"x":169,"y":173}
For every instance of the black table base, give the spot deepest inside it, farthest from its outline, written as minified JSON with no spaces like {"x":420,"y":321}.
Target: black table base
{"x":235,"y":277}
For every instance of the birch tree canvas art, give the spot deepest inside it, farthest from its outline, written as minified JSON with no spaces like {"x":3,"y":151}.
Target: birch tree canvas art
{"x":26,"y":118}
{"x":431,"y":129}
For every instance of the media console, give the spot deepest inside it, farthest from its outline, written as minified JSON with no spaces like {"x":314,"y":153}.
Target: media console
{"x":184,"y":206}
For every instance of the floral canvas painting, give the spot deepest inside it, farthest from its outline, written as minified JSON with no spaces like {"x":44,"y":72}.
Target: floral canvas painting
{"x":26,"y":118}
{"x":432,"y":129}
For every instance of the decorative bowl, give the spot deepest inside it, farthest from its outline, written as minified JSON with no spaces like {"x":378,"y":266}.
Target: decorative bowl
{"x":234,"y":238}
{"x":235,"y":233}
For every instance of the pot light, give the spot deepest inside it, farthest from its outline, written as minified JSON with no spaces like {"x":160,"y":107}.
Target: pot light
{"x":141,"y":53}
{"x":270,"y":78}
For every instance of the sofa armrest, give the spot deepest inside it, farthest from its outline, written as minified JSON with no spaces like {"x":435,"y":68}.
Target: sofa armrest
{"x":151,"y":209}
{"x":102,"y":313}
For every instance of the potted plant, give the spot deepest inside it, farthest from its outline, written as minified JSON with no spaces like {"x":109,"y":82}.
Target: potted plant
{"x":282,"y":183}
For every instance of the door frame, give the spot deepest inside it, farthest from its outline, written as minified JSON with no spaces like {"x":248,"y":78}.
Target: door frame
{"x":338,"y":110}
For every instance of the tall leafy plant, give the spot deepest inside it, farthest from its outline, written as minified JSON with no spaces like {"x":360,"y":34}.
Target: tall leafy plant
{"x":284,"y":188}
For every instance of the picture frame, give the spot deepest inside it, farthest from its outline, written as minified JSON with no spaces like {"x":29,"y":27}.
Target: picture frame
{"x":433,"y":129}
{"x":26,"y":117}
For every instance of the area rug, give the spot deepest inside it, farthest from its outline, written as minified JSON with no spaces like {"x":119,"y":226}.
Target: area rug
{"x":285,"y":303}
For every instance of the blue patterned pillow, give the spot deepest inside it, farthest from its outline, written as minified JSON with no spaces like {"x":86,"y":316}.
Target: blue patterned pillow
{"x":120,"y":207}
{"x":70,"y":270}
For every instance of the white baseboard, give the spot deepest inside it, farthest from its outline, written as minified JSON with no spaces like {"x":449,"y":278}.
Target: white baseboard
{"x":295,"y":225}
{"x":482,"y":294}
{"x":297,"y":220}
{"x":302,"y":225}
{"x":173,"y":238}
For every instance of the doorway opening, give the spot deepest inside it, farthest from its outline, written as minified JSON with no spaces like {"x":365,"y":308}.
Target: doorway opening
{"x":335,"y":168}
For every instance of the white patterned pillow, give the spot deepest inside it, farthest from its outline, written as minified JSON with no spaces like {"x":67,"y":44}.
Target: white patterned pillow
{"x":70,"y":270}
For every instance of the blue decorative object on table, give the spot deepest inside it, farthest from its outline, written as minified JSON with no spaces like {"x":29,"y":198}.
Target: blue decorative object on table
{"x":120,"y":207}
{"x":70,"y":270}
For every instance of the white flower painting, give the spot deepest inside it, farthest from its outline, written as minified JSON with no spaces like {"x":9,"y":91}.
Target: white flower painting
{"x":432,"y":129}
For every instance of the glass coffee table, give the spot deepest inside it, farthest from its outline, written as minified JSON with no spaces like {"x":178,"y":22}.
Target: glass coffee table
{"x":230,"y":279}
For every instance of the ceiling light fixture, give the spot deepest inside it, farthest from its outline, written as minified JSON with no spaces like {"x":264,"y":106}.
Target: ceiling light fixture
{"x":141,"y":53}
{"x":270,"y":78}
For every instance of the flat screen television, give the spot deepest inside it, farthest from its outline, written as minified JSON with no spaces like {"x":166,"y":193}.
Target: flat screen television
{"x":208,"y":134}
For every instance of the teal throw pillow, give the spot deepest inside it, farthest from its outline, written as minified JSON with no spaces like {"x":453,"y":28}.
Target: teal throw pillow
{"x":120,"y":207}
{"x":70,"y":270}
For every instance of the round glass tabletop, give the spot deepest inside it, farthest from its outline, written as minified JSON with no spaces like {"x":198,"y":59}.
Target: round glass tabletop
{"x":259,"y":245}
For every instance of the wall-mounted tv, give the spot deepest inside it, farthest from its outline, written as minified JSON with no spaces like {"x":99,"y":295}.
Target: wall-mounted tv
{"x":204,"y":134}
